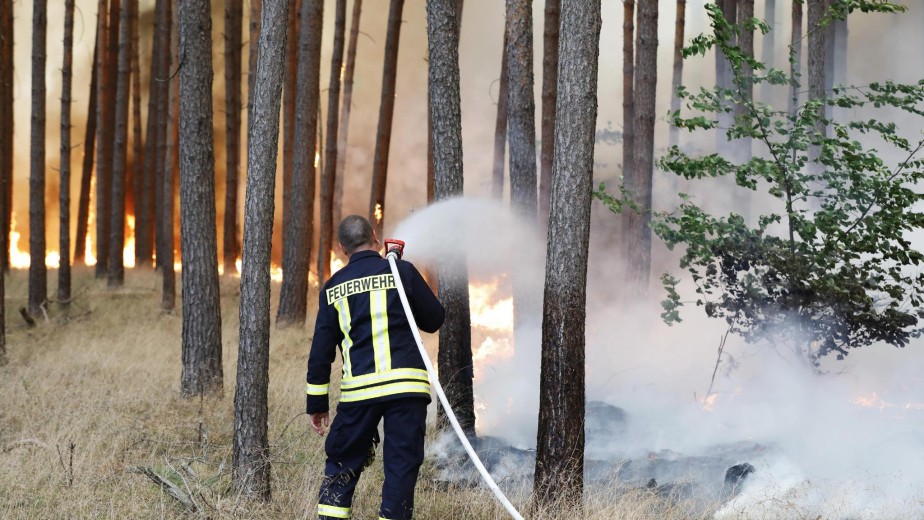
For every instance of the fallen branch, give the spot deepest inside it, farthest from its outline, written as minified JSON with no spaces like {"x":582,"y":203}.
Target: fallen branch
{"x":168,"y":486}
{"x":24,"y":442}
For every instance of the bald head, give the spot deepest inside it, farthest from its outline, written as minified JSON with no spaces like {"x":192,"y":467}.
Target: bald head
{"x":355,"y":233}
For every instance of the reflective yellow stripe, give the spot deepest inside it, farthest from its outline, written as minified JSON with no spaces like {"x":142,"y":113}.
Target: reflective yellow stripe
{"x":378,"y":309}
{"x":343,"y":312}
{"x":415,"y":387}
{"x":334,"y":511}
{"x":383,"y":377}
{"x":383,"y":518}
{"x":317,"y":389}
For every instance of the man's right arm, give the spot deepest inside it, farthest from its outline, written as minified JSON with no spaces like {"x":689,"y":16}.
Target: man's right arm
{"x":428,"y":311}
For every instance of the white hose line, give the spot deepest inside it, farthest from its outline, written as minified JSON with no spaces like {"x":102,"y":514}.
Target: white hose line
{"x":442,"y":396}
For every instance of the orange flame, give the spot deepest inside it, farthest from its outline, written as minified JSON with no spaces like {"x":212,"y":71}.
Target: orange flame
{"x":492,"y":323}
{"x":378,"y":212}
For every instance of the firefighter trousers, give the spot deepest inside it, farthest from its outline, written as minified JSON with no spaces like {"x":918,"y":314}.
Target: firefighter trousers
{"x":350,"y":442}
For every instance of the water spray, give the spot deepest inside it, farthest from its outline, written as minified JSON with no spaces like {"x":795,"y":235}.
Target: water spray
{"x":394,"y":249}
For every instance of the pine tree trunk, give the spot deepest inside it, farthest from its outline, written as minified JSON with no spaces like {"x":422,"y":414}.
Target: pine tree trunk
{"x":161,"y":243}
{"x":38,"y":276}
{"x":148,"y":215}
{"x":724,"y":80}
{"x":743,"y":149}
{"x":500,"y":128}
{"x":795,"y":58}
{"x":560,"y":444}
{"x":521,"y":110}
{"x":250,"y":457}
{"x":171,"y":167}
{"x":116,"y":273}
{"x":137,"y":171}
{"x":106,"y":152}
{"x":296,"y":244}
{"x":6,"y":134}
{"x":767,"y":55}
{"x":627,"y":218}
{"x":89,"y":144}
{"x":234,"y":12}
{"x":816,"y":71}
{"x":64,"y":270}
{"x":677,"y":79}
{"x":638,"y":241}
{"x":288,"y":103}
{"x":345,"y":108}
{"x":202,"y":371}
{"x":255,"y":6}
{"x":386,"y":112}
{"x":455,"y":343}
{"x":328,"y":179}
{"x":549,"y":93}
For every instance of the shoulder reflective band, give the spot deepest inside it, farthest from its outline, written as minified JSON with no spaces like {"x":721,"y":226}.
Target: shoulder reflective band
{"x":360,"y":285}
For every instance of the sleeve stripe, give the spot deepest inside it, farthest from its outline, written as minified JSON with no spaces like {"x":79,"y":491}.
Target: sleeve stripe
{"x":317,"y":389}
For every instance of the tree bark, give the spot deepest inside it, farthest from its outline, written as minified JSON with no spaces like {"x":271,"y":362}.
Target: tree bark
{"x":105,"y":153}
{"x":161,"y":243}
{"x":795,"y":57}
{"x":202,"y":371}
{"x":767,"y":54}
{"x":638,"y":241}
{"x":677,"y":79}
{"x":148,"y":213}
{"x":549,"y":93}
{"x":455,"y":343}
{"x":288,"y":103}
{"x":816,"y":71}
{"x":500,"y":127}
{"x":560,"y":442}
{"x":328,"y":179}
{"x":6,"y":132}
{"x":345,"y":109}
{"x":253,"y":50}
{"x":723,"y":78}
{"x":521,"y":119}
{"x":234,"y":12}
{"x":89,"y":145}
{"x":38,"y":276}
{"x":250,"y":458}
{"x":137,"y":172}
{"x":627,"y":218}
{"x":116,"y":272}
{"x":743,"y":149}
{"x":296,"y":244}
{"x":171,"y":167}
{"x":386,"y":111}
{"x":64,"y":223}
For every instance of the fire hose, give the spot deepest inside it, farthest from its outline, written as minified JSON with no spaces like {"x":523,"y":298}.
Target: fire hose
{"x":394,"y":249}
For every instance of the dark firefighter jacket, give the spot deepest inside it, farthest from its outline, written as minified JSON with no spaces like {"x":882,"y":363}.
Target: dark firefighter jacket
{"x":360,"y":311}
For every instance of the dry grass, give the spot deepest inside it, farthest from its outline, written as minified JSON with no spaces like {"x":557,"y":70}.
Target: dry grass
{"x":92,"y":394}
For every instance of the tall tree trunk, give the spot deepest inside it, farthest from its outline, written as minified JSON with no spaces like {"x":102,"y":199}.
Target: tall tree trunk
{"x":386,"y":111}
{"x":202,"y":371}
{"x":161,"y":243}
{"x":288,"y":103}
{"x":253,"y":49}
{"x":560,"y":443}
{"x":795,"y":56}
{"x":234,"y":12}
{"x":38,"y":276}
{"x":431,"y":182}
{"x":743,"y":149}
{"x":89,"y":143}
{"x":171,"y":167}
{"x":500,"y":127}
{"x":549,"y":93}
{"x":328,"y":179}
{"x":627,"y":219}
{"x":455,"y":348}
{"x":724,"y":80}
{"x":296,"y":244}
{"x":816,"y":72}
{"x":345,"y":108}
{"x":767,"y":54}
{"x":250,"y":455}
{"x":116,"y":271}
{"x":6,"y":133}
{"x":521,"y":119}
{"x":638,"y":242}
{"x":106,"y":152}
{"x":64,"y":223}
{"x":137,"y":172}
{"x":677,"y":79}
{"x":148,"y":215}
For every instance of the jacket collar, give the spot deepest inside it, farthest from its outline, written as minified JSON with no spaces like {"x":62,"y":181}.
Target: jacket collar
{"x":364,"y":254}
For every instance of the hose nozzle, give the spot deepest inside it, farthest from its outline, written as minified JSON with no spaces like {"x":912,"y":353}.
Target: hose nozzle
{"x":395,"y":247}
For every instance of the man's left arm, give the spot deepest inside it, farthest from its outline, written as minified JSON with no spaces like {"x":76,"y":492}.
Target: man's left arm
{"x":327,"y":335}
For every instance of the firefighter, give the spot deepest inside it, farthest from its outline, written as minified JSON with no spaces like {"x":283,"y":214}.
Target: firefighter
{"x":383,"y":374}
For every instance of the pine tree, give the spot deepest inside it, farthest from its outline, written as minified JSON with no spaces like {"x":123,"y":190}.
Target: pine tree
{"x":38,"y":276}
{"x":64,"y":270}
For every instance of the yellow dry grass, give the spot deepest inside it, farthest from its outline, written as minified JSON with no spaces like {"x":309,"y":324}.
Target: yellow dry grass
{"x":92,"y":394}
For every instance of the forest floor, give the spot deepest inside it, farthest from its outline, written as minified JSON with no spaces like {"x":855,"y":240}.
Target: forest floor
{"x":90,"y":408}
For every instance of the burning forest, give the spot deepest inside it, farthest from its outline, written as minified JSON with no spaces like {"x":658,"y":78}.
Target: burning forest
{"x":678,"y":244}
